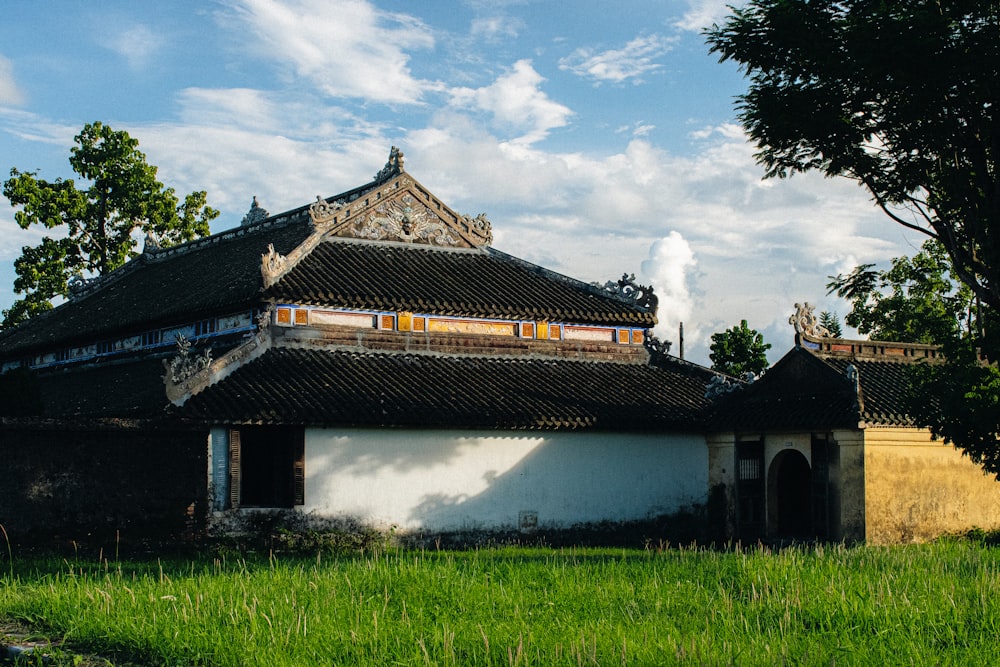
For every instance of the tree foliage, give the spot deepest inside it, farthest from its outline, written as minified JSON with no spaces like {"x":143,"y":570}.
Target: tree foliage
{"x":899,"y":96}
{"x":95,"y":226}
{"x":915,"y":300}
{"x":738,"y":351}
{"x":831,"y":323}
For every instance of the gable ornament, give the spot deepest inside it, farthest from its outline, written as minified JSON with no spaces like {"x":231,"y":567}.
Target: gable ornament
{"x":805,"y":322}
{"x":272,"y":265}
{"x":255,"y":214}
{"x":393,"y":167}
{"x":479,"y":230}
{"x":657,"y":348}
{"x":78,"y":285}
{"x":720,"y":385}
{"x":185,"y":364}
{"x":322,"y":211}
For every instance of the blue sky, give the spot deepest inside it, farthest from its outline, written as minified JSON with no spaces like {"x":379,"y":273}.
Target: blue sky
{"x":598,"y":137}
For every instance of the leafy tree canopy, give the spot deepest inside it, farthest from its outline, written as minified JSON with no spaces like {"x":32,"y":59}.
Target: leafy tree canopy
{"x":916,"y":300}
{"x":96,"y":225}
{"x":738,"y":351}
{"x":899,"y":96}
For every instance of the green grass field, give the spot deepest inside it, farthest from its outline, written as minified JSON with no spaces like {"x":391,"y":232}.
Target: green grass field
{"x":934,"y":604}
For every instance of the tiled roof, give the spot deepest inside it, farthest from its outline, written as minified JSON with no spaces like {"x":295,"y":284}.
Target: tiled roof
{"x":320,"y":387}
{"x":811,"y":390}
{"x":884,"y":388}
{"x":210,"y":275}
{"x":477,"y":283}
{"x":130,"y":389}
{"x":800,"y":391}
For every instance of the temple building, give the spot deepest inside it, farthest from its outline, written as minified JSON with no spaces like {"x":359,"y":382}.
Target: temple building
{"x":367,"y":360}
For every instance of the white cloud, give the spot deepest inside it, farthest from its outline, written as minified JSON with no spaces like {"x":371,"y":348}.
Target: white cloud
{"x":702,"y":14}
{"x":496,"y":27}
{"x":10,"y":93}
{"x":346,"y":48}
{"x":137,"y":44}
{"x":637,"y":58}
{"x":516,"y":103}
{"x":668,"y":269}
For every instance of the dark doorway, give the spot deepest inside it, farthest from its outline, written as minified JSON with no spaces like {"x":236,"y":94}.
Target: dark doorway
{"x":793,"y":493}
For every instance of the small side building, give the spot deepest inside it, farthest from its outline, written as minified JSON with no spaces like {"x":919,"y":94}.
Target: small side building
{"x":823,"y":446}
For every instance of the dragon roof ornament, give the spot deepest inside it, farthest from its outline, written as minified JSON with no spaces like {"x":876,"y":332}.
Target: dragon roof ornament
{"x":393,"y":166}
{"x":806,"y":323}
{"x":626,"y":289}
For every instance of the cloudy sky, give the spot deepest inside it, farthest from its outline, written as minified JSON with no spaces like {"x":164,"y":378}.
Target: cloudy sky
{"x":599,"y":138}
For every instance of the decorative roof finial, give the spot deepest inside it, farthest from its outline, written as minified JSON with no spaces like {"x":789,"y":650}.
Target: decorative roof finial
{"x":805,"y":322}
{"x":626,"y":289}
{"x":255,"y":214}
{"x":393,"y":167}
{"x":151,"y":243}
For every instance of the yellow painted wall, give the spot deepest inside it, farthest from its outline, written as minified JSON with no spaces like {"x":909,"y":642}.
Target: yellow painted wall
{"x":850,"y":480}
{"x":917,"y":489}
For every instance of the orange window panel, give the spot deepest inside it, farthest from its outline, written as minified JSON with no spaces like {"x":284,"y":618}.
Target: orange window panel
{"x":301,"y":316}
{"x":284,"y":316}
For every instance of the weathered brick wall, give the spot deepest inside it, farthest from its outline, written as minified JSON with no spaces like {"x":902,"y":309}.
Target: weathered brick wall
{"x":101,"y":483}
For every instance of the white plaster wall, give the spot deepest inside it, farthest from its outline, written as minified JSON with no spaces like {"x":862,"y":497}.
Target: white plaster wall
{"x":443,"y":480}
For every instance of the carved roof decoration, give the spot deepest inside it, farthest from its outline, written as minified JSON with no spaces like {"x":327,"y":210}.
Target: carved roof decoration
{"x":393,"y":166}
{"x":627,"y":290}
{"x":805,"y":322}
{"x":255,"y":214}
{"x":398,"y":208}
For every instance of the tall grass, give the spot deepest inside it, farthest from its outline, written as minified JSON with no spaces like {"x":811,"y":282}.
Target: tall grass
{"x":929,"y":604}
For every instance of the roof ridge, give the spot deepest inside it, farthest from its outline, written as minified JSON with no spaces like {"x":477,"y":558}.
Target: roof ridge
{"x":618,"y":291}
{"x":85,"y":287}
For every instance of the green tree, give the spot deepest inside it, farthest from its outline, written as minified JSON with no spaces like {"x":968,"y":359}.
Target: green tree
{"x":831,"y":323}
{"x":915,"y":300}
{"x":95,"y":226}
{"x":738,"y":351}
{"x":918,"y":300}
{"x":898,"y":96}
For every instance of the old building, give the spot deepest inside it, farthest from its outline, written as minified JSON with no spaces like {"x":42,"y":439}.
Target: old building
{"x":370,"y":360}
{"x":823,"y":445}
{"x":367,"y":359}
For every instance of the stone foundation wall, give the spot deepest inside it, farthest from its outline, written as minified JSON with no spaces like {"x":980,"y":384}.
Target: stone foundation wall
{"x":101,"y":483}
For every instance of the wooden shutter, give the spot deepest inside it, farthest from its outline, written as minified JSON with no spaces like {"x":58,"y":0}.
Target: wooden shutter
{"x":234,"y":468}
{"x":299,"y":470}
{"x":750,"y":488}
